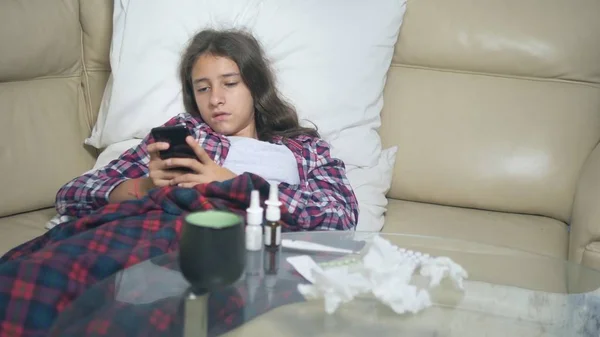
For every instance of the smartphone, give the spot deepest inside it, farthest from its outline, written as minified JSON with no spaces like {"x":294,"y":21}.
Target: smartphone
{"x":178,"y":147}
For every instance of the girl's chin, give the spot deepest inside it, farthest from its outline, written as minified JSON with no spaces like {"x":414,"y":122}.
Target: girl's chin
{"x":226,"y":129}
{"x":221,"y":128}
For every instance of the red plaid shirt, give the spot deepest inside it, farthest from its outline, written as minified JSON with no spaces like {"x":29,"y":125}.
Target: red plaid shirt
{"x":324,"y":199}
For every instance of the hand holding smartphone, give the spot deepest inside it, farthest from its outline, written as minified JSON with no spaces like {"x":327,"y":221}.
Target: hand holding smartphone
{"x":178,"y":147}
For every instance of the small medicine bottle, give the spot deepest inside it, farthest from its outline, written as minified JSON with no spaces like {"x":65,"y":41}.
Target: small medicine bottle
{"x":254,"y":219}
{"x":273,"y":216}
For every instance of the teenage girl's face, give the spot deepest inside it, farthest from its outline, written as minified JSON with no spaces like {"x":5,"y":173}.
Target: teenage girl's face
{"x":223,"y":99}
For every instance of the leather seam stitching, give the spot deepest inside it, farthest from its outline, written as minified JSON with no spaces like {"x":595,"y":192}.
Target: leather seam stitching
{"x":516,"y":77}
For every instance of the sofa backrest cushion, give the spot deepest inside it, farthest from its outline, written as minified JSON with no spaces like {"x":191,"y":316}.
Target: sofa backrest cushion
{"x":494,"y":104}
{"x":53,"y":70}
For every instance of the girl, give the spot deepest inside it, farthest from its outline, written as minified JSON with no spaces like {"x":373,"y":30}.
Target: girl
{"x":239,"y":124}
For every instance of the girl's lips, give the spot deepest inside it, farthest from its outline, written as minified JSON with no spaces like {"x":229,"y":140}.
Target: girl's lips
{"x":220,"y":116}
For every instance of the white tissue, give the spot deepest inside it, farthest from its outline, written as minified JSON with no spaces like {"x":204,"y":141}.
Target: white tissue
{"x":438,"y":268}
{"x":386,"y":272}
{"x":337,"y":286}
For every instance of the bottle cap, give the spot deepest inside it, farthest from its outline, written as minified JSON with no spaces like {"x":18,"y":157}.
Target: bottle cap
{"x":254,"y":213}
{"x":273,"y":203}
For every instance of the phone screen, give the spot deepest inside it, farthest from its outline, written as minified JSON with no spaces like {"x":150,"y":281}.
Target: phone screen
{"x":175,"y":136}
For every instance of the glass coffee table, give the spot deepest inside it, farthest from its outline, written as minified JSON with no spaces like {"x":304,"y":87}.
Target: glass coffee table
{"x":508,"y":293}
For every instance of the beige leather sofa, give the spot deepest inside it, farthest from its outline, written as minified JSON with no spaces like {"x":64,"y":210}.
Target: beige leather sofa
{"x":495,"y":107}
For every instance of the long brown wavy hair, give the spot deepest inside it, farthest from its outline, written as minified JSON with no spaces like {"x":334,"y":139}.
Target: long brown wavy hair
{"x":272,"y":114}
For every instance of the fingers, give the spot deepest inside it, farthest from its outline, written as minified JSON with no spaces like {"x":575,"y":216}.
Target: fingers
{"x":171,"y":174}
{"x":203,"y":157}
{"x":165,"y":172}
{"x":187,"y":185}
{"x":154,"y":148}
{"x":157,"y":164}
{"x":187,"y":180}
{"x":189,"y":163}
{"x":162,"y":178}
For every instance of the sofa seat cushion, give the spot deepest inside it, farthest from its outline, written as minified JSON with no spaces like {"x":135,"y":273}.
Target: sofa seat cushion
{"x":535,"y":234}
{"x":20,"y":228}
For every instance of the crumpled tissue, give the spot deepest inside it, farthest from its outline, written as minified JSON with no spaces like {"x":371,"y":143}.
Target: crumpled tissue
{"x":385,"y":272}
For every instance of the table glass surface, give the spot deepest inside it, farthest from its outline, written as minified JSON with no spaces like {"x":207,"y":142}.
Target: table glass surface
{"x":507,"y":293}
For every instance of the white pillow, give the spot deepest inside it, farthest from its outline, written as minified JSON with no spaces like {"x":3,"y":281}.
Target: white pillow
{"x":113,"y":151}
{"x":330,"y":58}
{"x":370,"y":186}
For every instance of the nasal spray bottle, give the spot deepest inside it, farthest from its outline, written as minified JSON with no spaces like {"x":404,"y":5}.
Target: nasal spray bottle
{"x":254,"y":239}
{"x":254,"y":220}
{"x":273,"y":226}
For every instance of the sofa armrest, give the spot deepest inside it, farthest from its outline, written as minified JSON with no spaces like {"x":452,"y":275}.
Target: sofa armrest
{"x":585,"y":219}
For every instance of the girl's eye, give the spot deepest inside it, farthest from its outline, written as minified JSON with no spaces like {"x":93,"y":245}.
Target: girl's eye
{"x":231,"y":84}
{"x":202,"y":89}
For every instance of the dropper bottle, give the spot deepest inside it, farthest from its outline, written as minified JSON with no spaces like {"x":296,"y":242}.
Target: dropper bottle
{"x":273,"y":225}
{"x":254,"y":220}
